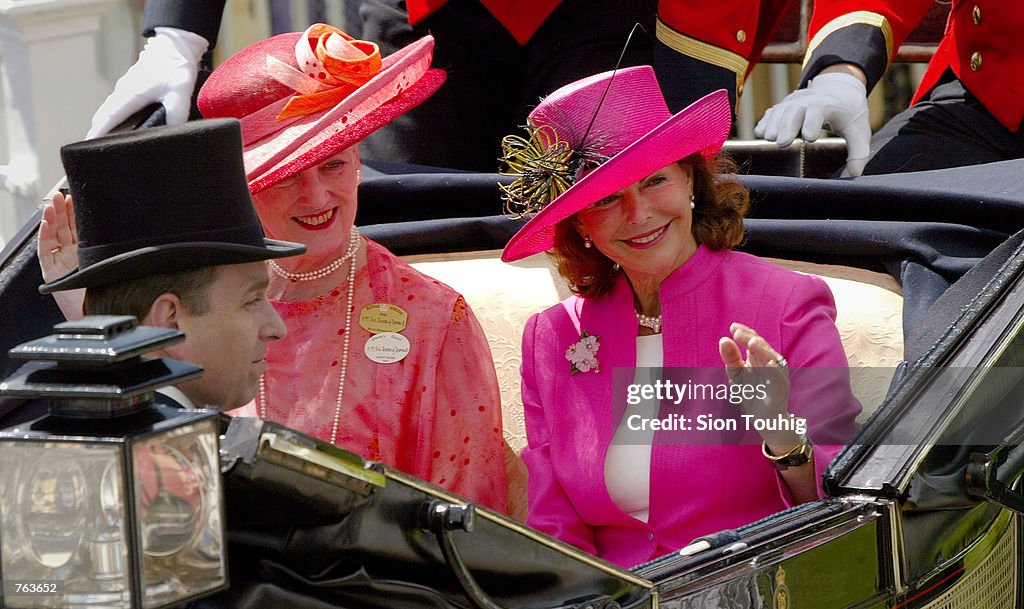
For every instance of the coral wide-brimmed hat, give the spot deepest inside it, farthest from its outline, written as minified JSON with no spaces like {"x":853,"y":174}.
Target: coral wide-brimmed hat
{"x":305,"y":96}
{"x":594,"y":137}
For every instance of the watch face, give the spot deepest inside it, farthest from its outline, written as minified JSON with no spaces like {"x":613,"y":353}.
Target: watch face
{"x":798,"y":458}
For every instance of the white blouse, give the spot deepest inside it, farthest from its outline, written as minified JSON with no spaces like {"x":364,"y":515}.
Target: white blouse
{"x":627,"y":467}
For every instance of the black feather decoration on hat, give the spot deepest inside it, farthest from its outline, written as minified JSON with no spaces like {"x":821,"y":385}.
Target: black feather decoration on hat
{"x":544,"y":166}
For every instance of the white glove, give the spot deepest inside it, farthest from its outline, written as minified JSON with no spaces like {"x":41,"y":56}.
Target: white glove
{"x":835,"y":99}
{"x":164,"y":73}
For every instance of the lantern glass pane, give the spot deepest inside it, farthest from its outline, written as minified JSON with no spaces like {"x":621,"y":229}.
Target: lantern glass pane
{"x":179,"y":511}
{"x":56,"y":528}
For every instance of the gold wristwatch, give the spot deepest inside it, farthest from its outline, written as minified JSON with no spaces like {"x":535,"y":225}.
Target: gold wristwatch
{"x":800,"y":454}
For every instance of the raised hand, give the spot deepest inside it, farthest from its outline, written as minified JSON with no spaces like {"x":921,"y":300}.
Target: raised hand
{"x":763,"y":366}
{"x":57,"y":250}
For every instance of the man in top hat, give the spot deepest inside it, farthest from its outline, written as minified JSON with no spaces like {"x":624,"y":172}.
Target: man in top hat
{"x":166,"y":231}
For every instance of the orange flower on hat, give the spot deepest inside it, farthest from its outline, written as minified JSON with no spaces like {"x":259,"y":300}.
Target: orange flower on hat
{"x":333,"y":65}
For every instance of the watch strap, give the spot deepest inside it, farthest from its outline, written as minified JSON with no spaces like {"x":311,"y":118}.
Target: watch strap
{"x":800,"y":454}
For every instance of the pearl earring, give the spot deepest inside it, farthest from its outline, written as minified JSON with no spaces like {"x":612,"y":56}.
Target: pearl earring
{"x":587,"y":242}
{"x":692,"y":204}
{"x":359,"y":176}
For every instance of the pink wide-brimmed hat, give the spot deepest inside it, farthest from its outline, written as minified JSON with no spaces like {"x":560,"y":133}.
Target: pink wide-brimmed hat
{"x":594,"y":137}
{"x":304,"y":96}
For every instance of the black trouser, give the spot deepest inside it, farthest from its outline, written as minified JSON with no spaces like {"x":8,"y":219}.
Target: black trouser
{"x":493,"y":82}
{"x":948,"y":128}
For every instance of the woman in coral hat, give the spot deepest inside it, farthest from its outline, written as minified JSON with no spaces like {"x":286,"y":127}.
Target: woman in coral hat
{"x":379,"y":358}
{"x":666,"y":399}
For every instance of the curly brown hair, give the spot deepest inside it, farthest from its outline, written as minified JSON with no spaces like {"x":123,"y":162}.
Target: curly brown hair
{"x":717,"y":224}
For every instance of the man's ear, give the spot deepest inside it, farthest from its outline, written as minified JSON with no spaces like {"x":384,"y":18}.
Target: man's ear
{"x":164,"y":311}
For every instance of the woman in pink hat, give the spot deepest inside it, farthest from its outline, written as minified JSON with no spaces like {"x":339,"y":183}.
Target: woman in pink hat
{"x":666,"y":399}
{"x":379,"y":358}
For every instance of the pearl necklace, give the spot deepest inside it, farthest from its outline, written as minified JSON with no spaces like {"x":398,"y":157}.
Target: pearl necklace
{"x":349,"y":307}
{"x":353,"y":246}
{"x":649,"y":321}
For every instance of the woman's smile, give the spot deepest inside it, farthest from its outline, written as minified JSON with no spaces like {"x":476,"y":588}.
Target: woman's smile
{"x":318,"y":221}
{"x":648,"y":239}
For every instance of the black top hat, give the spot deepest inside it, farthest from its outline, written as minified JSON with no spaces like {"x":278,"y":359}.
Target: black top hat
{"x":162,"y":200}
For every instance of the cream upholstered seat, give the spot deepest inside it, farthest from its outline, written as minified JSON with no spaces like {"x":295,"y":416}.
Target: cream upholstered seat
{"x":503,"y":296}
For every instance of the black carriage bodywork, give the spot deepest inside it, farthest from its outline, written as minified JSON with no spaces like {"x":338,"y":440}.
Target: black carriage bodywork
{"x":915,"y":514}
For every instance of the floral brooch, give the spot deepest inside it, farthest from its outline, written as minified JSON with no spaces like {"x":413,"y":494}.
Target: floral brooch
{"x":583,"y":355}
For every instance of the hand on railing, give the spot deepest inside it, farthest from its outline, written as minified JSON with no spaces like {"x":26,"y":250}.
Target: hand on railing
{"x":836,"y":99}
{"x":165,"y":73}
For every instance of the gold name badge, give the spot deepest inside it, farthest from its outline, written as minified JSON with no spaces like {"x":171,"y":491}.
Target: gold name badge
{"x":383,"y":317}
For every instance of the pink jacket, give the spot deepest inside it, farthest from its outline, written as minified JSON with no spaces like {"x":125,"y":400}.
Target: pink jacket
{"x":696,"y":489}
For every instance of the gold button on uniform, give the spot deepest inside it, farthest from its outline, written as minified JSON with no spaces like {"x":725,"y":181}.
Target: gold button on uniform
{"x":975,"y":61}
{"x":976,"y":15}
{"x":741,"y":36}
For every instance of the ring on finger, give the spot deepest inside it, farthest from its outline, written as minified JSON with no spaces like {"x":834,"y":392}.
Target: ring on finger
{"x":781,"y":362}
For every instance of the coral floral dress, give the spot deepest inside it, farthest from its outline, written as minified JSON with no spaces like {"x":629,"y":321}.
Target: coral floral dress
{"x":435,"y":414}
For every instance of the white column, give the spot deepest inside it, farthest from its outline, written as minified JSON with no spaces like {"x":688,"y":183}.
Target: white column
{"x":51,"y":86}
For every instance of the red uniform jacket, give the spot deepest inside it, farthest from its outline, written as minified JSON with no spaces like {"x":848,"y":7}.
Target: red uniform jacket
{"x":979,"y":46}
{"x":520,"y":17}
{"x":730,"y":34}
